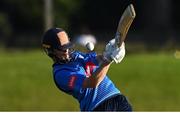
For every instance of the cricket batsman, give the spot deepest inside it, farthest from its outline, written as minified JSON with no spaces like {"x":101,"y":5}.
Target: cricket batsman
{"x":84,"y":75}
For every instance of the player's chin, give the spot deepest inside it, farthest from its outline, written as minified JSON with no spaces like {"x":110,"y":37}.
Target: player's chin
{"x":66,"y":57}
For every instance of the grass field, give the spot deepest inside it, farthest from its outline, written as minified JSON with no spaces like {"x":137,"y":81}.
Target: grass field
{"x":150,"y":81}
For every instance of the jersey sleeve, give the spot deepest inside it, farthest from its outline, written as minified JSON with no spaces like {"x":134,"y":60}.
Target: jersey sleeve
{"x":69,"y":81}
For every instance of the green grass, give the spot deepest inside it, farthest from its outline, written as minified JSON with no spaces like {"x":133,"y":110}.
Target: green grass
{"x":150,"y":81}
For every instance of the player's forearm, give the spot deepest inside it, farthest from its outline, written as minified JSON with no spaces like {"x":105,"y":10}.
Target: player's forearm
{"x":101,"y":72}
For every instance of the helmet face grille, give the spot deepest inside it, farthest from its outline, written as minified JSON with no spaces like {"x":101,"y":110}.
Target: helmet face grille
{"x":60,"y":61}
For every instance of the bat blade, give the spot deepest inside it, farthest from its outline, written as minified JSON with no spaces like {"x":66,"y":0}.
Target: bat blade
{"x":124,"y":24}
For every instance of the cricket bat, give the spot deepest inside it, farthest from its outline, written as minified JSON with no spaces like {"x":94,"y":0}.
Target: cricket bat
{"x":124,"y":24}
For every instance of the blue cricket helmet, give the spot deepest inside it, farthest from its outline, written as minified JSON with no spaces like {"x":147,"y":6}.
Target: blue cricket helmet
{"x":51,"y":41}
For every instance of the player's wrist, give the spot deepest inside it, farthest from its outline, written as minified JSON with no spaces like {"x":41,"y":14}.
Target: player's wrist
{"x":105,"y":60}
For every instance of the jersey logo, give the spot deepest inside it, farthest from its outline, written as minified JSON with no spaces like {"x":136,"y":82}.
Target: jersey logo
{"x":71,"y":82}
{"x":89,"y":68}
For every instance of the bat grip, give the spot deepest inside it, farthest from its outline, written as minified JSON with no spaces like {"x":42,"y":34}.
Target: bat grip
{"x":117,"y":39}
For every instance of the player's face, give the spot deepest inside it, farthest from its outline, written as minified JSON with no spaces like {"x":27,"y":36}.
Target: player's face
{"x":63,"y":54}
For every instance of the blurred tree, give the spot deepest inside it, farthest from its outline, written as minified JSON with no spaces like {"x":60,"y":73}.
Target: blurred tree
{"x":99,"y":16}
{"x":64,"y":10}
{"x":48,"y":14}
{"x":25,"y":15}
{"x":25,"y":18}
{"x":157,"y":21}
{"x":5,"y":26}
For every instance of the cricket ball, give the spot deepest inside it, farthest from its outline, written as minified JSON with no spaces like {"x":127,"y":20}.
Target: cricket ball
{"x":90,"y":46}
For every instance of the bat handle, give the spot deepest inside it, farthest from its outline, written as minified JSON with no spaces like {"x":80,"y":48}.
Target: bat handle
{"x":117,"y":39}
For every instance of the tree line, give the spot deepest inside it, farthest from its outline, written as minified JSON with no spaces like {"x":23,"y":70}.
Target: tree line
{"x":22,"y":21}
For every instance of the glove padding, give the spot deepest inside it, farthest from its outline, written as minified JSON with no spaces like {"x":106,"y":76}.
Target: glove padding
{"x":114,"y":53}
{"x":118,"y":54}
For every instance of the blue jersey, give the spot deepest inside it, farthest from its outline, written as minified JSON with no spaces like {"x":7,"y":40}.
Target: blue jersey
{"x":69,"y":78}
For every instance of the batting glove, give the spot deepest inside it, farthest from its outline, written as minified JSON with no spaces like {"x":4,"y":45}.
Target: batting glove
{"x":118,"y":54}
{"x":110,"y":47}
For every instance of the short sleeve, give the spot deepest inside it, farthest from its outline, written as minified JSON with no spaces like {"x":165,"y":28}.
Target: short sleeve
{"x":69,"y":81}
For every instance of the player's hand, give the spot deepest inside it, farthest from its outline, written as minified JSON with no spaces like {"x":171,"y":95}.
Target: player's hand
{"x":118,"y":54}
{"x":108,"y":50}
{"x":114,"y":53}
